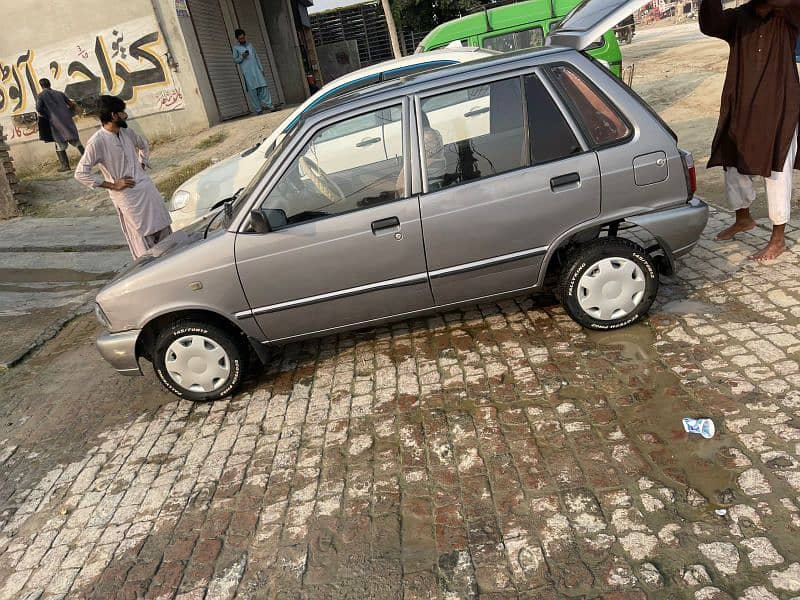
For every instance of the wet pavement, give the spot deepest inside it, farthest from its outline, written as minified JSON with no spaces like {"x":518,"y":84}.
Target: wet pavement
{"x":499,"y":451}
{"x":50,"y":270}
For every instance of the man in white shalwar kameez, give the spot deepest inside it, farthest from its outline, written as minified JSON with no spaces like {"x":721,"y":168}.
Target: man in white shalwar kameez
{"x":122,"y":156}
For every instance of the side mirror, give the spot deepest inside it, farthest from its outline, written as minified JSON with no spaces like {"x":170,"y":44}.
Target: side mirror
{"x":259,"y":222}
{"x":267,"y":219}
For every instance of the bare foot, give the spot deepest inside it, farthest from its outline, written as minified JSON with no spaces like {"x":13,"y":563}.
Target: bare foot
{"x":770,"y":252}
{"x":737,"y":227}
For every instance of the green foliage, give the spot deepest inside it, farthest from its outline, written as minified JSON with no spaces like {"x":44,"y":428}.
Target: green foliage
{"x":424,"y":15}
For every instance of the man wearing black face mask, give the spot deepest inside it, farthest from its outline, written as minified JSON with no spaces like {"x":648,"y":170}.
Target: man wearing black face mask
{"x":760,"y":110}
{"x":122,"y":156}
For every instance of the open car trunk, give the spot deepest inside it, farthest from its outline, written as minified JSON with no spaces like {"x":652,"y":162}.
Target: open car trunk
{"x":590,"y":20}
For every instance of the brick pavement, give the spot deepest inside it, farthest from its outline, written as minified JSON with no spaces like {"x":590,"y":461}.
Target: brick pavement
{"x":500,"y":451}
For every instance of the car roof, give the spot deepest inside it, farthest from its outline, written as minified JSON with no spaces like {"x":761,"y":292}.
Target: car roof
{"x":450,"y":54}
{"x":436,"y":58}
{"x":498,"y":59}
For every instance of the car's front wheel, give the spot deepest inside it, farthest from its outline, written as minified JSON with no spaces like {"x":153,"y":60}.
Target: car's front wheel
{"x":608,"y":284}
{"x":198,"y":361}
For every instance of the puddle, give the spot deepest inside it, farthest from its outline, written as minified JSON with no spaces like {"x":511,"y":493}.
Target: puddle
{"x":51,"y":276}
{"x":650,"y":403}
{"x":690,"y":307}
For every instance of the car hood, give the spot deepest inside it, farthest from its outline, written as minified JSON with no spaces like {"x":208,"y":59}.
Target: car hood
{"x":183,"y":239}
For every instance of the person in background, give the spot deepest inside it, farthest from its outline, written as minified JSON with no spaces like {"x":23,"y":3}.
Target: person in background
{"x":759,"y":112}
{"x":245,"y":56}
{"x":122,"y":156}
{"x":57,"y":109}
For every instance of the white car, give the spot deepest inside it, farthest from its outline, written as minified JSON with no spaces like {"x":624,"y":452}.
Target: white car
{"x":196,"y":196}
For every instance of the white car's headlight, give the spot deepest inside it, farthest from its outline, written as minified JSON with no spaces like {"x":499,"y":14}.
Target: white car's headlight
{"x":179,"y":200}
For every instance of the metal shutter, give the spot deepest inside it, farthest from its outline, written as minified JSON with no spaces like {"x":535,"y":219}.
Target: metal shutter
{"x":212,"y":34}
{"x":249,"y":20}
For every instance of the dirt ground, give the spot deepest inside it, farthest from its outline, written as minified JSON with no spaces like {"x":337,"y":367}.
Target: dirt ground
{"x":47,"y":193}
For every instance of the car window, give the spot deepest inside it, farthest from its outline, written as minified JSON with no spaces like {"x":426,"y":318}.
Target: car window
{"x":473,"y":133}
{"x":550,"y":135}
{"x":599,"y":119}
{"x":353,"y":164}
{"x":518,"y":40}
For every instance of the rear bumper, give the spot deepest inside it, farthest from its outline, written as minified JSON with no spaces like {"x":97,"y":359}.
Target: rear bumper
{"x":119,"y":350}
{"x":676,"y":229}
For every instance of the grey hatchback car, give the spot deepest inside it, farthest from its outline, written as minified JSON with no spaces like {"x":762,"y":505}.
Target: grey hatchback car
{"x":470,"y":182}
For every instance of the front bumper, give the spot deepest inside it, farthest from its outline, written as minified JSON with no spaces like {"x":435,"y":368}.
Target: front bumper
{"x":677,"y":230}
{"x":119,"y":349}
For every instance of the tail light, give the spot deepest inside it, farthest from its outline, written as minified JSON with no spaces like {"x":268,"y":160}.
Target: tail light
{"x":691,"y":172}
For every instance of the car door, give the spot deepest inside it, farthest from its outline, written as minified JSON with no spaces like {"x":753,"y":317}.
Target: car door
{"x":510,"y":186}
{"x":341,"y":253}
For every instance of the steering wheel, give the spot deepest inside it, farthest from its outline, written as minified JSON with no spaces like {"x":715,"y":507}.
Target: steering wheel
{"x":324,"y":184}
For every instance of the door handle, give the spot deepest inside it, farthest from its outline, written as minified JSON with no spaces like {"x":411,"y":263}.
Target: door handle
{"x":368,"y":142}
{"x":557,"y":183}
{"x":389,"y":223}
{"x":476,"y":111}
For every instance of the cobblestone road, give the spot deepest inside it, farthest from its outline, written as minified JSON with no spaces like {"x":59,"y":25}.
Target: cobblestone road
{"x":501,"y":452}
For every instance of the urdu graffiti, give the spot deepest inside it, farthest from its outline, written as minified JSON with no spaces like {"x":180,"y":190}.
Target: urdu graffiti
{"x":127,"y":60}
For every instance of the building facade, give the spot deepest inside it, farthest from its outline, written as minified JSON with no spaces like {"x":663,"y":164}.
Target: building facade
{"x":170,"y":60}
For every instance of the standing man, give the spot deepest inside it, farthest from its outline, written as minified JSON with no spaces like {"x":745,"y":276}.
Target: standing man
{"x":122,"y":156}
{"x":245,"y":56}
{"x":760,"y":110}
{"x":56,"y":108}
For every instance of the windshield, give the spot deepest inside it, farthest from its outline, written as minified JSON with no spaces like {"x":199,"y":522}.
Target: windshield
{"x":271,"y":155}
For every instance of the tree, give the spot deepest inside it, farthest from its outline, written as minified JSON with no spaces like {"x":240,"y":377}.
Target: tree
{"x":424,"y":15}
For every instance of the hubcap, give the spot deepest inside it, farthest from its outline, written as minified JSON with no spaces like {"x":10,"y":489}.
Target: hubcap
{"x":611,"y":288}
{"x":197,"y":363}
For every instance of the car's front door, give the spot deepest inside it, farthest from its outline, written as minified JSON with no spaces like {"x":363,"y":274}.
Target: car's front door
{"x":346,"y":246}
{"x":514,"y":178}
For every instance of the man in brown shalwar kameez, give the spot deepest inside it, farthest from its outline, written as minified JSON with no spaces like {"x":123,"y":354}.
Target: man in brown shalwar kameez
{"x":760,"y":110}
{"x":122,"y":156}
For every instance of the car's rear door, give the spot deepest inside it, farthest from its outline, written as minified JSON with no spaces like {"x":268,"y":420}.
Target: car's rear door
{"x":516,"y":177}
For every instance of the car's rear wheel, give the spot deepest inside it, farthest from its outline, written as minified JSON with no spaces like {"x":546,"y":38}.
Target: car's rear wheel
{"x":608,"y":284}
{"x":199,"y":362}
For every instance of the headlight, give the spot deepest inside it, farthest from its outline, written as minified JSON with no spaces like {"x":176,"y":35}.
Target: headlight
{"x":179,"y":200}
{"x":101,"y":316}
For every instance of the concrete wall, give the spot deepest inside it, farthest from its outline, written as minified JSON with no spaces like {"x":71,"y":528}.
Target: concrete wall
{"x":8,"y":205}
{"x":67,"y":19}
{"x":285,"y":48}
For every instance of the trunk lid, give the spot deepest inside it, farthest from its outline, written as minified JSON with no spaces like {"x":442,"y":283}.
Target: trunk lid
{"x":590,"y":20}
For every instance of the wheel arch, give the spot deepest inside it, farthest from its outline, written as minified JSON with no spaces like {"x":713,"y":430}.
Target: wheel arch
{"x":624,"y":227}
{"x":156,"y":323}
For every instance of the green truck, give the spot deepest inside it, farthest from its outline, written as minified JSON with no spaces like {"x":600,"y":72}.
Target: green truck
{"x":518,"y":26}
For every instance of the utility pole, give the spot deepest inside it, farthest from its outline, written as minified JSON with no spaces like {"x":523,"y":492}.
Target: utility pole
{"x":387,"y":10}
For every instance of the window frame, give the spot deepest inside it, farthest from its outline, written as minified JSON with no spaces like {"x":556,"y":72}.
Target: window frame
{"x":576,"y":114}
{"x":297,"y":149}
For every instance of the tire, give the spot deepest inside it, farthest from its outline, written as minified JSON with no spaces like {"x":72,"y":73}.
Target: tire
{"x":594,"y":265}
{"x":199,"y":362}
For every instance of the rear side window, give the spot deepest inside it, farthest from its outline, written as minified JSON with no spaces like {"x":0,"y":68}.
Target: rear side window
{"x":601,"y":122}
{"x":518,"y":40}
{"x":550,"y":135}
{"x":474,"y":133}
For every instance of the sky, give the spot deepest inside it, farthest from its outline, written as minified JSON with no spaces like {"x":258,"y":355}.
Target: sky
{"x":320,"y":5}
